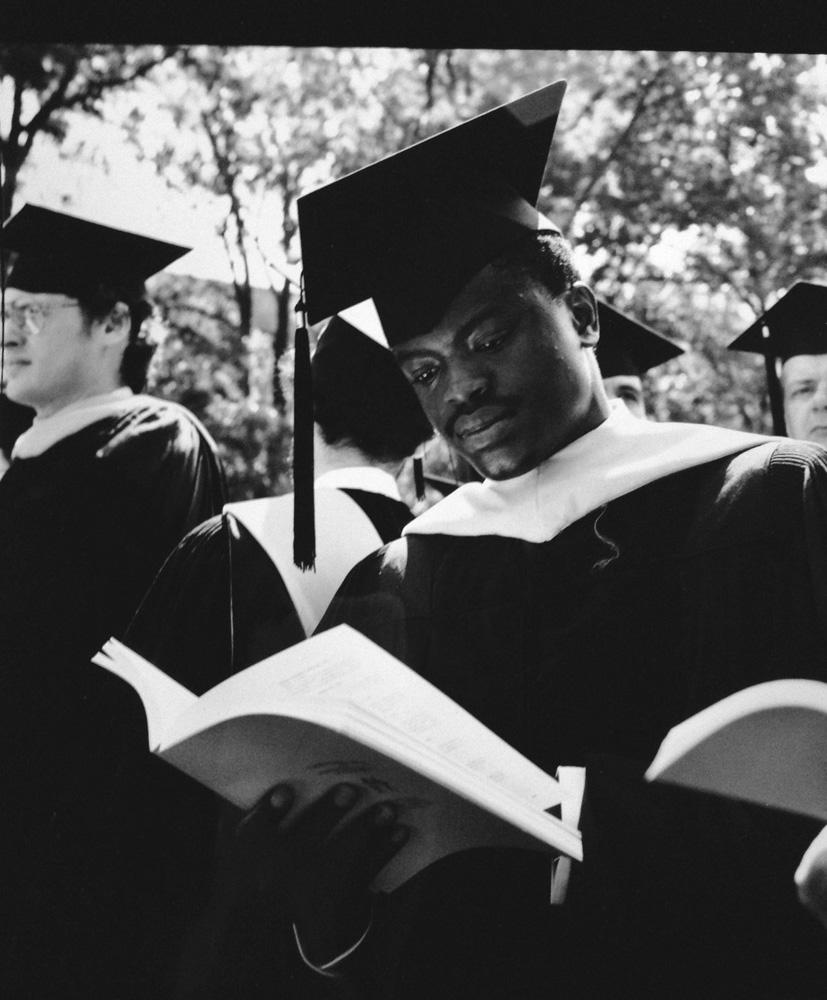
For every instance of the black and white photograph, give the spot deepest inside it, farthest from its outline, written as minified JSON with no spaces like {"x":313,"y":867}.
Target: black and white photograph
{"x":413,"y":505}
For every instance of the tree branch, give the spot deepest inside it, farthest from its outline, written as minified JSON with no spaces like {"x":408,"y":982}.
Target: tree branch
{"x":93,"y":90}
{"x":620,"y":139}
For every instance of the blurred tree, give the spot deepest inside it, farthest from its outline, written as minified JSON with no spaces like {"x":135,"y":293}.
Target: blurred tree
{"x":44,"y":83}
{"x":201,"y":363}
{"x":695,"y":181}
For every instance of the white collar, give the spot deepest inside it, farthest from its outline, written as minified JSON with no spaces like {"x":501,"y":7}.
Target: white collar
{"x":360,"y":477}
{"x":615,"y":458}
{"x":47,"y":431}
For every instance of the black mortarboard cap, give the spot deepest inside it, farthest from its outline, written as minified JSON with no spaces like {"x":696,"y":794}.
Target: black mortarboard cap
{"x":627,"y":346}
{"x":410,"y":230}
{"x":57,"y":252}
{"x":796,"y":324}
{"x":359,"y":389}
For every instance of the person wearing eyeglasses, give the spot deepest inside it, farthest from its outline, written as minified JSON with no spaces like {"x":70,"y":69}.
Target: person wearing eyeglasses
{"x":100,"y":487}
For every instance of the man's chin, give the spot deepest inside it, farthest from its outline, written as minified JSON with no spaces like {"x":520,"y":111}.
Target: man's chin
{"x":499,"y":466}
{"x":818,"y":436}
{"x":15,"y":390}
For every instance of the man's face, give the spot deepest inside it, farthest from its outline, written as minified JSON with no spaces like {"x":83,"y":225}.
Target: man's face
{"x":629,"y":388}
{"x":505,"y":376}
{"x":49,"y":352}
{"x":804,"y":381}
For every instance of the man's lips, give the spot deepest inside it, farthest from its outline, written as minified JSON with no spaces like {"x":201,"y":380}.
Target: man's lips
{"x":472,"y":424}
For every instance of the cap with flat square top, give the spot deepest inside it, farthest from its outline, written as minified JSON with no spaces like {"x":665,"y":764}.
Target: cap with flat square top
{"x":410,"y":230}
{"x":796,"y":324}
{"x":58,"y":252}
{"x":629,"y":347}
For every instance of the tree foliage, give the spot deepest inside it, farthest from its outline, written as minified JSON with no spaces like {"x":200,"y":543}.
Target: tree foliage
{"x":47,"y":82}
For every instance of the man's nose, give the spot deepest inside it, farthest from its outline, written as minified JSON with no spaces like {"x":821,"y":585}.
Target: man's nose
{"x":468,"y":381}
{"x":820,"y":395}
{"x":15,"y":321}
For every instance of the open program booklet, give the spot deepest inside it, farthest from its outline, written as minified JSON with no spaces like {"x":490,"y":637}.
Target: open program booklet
{"x":337,"y":707}
{"x":765,"y":744}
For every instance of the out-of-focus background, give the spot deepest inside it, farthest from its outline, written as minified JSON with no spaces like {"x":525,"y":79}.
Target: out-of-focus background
{"x":694,"y":186}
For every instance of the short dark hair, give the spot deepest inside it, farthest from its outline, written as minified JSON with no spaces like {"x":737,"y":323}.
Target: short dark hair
{"x":99,"y":301}
{"x":545,"y":256}
{"x":368,"y":424}
{"x":361,"y":397}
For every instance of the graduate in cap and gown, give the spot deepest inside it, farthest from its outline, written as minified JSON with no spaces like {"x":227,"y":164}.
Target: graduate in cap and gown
{"x":231,"y":594}
{"x":609,"y":577}
{"x":627,"y":349}
{"x":792,"y":336}
{"x":100,"y":487}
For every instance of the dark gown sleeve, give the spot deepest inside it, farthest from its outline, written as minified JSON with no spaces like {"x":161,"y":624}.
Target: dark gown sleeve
{"x":164,"y":453}
{"x":714,"y":877}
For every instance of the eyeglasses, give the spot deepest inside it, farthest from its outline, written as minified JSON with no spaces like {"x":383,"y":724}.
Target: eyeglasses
{"x":32,"y":315}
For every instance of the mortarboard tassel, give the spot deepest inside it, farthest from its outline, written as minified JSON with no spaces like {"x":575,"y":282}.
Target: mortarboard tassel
{"x":774,"y":389}
{"x":419,"y":475}
{"x":304,"y":525}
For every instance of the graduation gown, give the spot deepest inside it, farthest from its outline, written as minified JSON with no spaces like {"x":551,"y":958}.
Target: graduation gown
{"x":584,"y":650}
{"x":218,"y":605}
{"x":84,"y":526}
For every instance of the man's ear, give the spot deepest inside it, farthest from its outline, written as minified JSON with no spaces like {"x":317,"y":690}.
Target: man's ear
{"x":114,"y":327}
{"x":583,"y":307}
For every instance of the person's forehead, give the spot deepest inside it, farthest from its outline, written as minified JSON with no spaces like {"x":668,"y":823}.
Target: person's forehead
{"x":804,"y":366}
{"x":21,"y":295}
{"x":492,"y":293}
{"x":633,"y":381}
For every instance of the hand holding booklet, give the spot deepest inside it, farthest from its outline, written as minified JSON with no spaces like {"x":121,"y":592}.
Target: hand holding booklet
{"x":338,"y":707}
{"x":765,"y":744}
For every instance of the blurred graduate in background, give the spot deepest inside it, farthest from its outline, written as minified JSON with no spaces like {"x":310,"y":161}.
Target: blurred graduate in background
{"x":100,"y":487}
{"x":627,"y":349}
{"x":792,"y":337}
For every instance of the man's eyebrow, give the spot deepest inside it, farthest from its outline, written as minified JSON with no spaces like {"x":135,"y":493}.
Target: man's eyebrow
{"x":485,"y":312}
{"x":406,"y":354}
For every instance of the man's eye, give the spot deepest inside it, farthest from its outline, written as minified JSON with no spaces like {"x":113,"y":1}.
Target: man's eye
{"x":491,"y":342}
{"x":423,"y":375}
